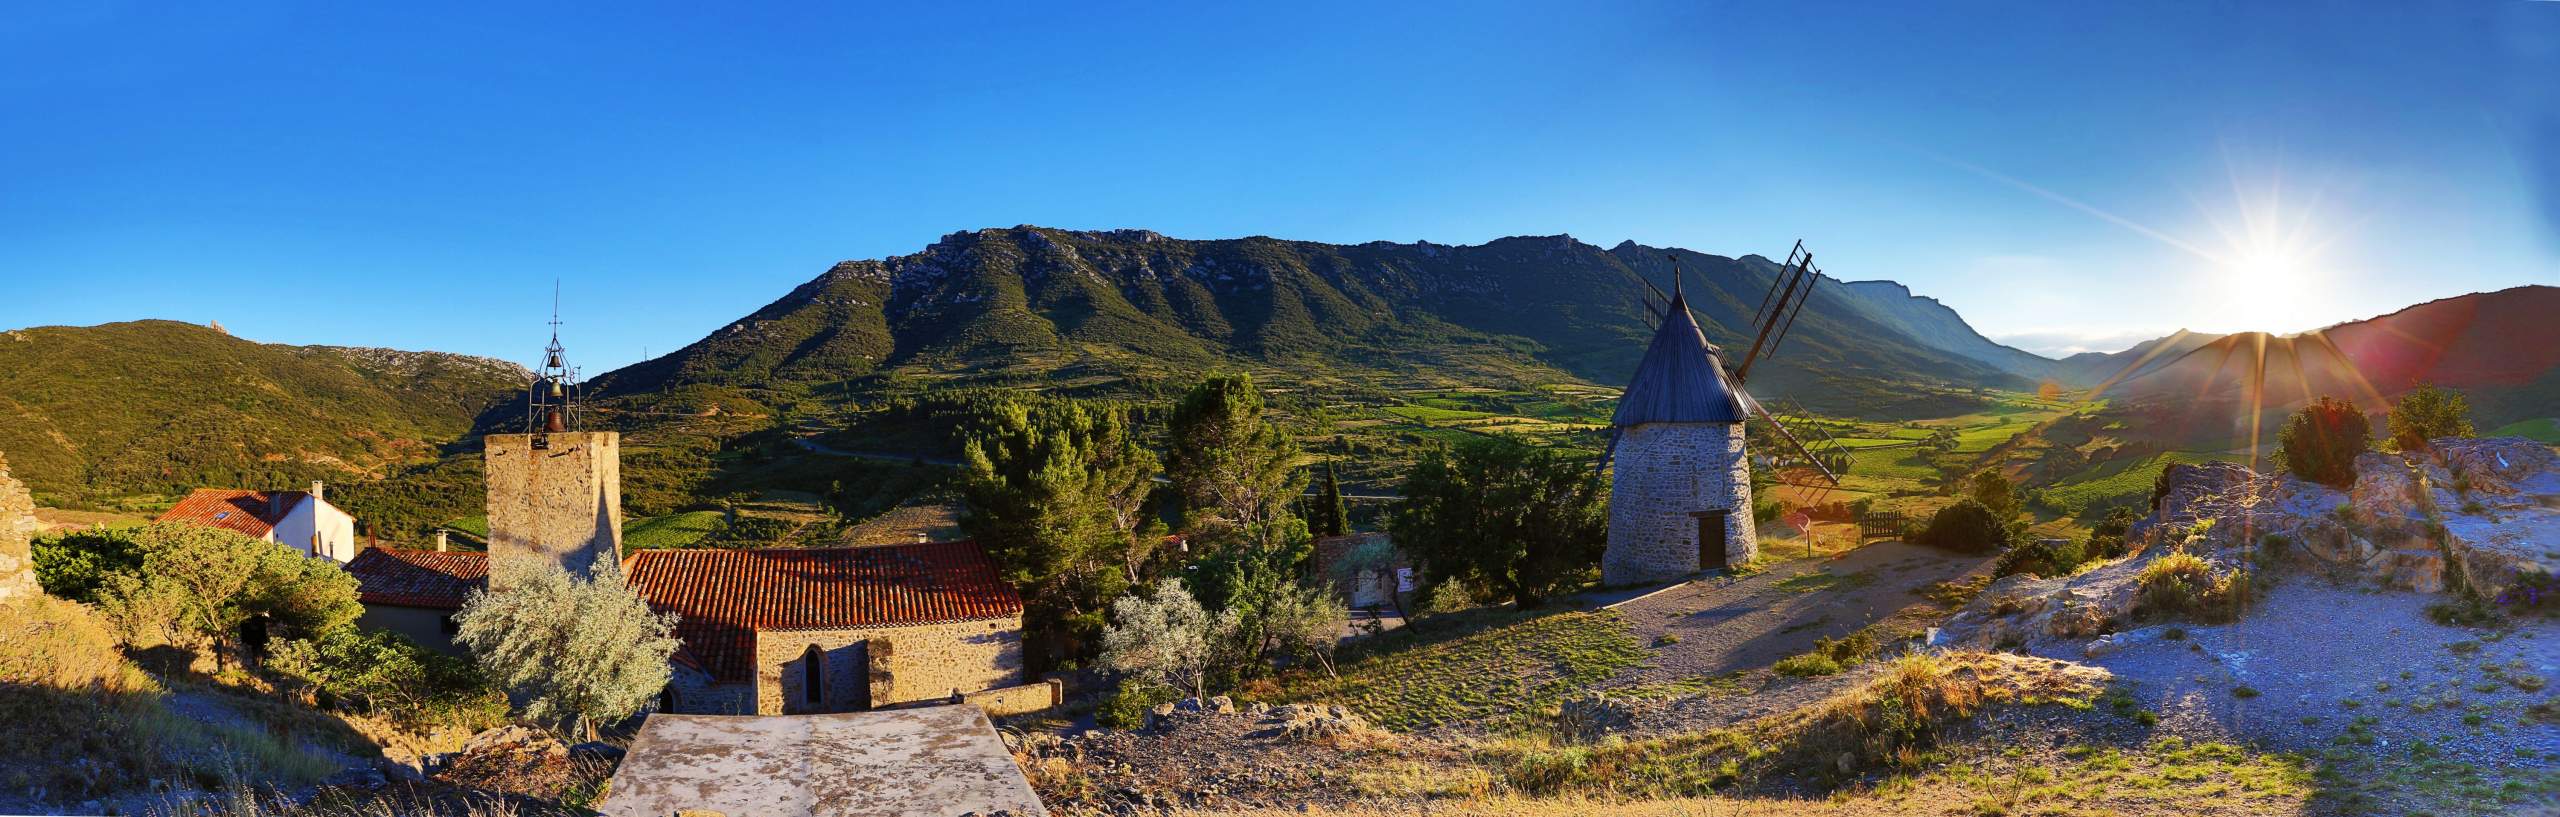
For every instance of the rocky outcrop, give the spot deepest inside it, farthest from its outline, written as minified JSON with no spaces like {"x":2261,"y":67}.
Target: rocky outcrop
{"x":17,"y":530}
{"x":2479,"y":516}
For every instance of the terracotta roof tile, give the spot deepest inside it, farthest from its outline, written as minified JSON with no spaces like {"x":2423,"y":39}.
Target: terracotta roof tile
{"x":724,"y":597}
{"x":253,"y":513}
{"x":418,"y":578}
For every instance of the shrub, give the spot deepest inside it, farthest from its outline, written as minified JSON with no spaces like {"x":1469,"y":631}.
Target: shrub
{"x":2107,"y":539}
{"x":1808,"y":664}
{"x":1161,"y":638}
{"x":198,"y":585}
{"x":579,"y":649}
{"x":2180,"y":584}
{"x":76,"y":564}
{"x":2321,"y":441}
{"x":384,"y":673}
{"x":1967,"y":526}
{"x":1127,"y":704}
{"x":2426,"y":413}
{"x":2041,"y":557}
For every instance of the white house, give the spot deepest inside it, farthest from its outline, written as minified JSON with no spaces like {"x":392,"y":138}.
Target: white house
{"x":302,"y":520}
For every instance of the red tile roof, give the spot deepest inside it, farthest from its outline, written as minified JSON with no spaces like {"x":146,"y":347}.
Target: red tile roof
{"x":722,"y":598}
{"x":254,"y":513}
{"x":418,"y":578}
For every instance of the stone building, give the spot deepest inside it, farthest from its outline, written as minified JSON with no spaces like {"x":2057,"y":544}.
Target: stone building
{"x":304,"y":521}
{"x":777,"y":630}
{"x":1680,"y":484}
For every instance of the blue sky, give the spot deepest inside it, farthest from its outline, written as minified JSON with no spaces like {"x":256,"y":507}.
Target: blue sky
{"x":2066,"y":175}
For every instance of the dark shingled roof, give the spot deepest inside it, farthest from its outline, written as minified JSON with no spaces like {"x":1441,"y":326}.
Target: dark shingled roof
{"x":418,"y":578}
{"x":1680,"y":379}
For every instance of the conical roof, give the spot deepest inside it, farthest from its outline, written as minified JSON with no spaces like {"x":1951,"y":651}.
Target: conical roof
{"x":1680,"y":379}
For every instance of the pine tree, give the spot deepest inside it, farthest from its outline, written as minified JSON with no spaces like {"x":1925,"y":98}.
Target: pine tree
{"x":1236,"y":469}
{"x":1056,"y":493}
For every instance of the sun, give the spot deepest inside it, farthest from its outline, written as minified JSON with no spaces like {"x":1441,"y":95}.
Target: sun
{"x":2268,"y":275}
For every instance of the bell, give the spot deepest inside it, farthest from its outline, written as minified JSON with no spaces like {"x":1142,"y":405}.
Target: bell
{"x":555,"y":389}
{"x":552,"y":423}
{"x":554,"y":357}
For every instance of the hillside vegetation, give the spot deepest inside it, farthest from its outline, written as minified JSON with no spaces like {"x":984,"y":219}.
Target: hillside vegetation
{"x":131,"y":414}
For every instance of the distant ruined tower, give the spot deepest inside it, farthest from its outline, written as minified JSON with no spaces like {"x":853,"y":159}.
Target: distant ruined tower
{"x":1680,"y":487}
{"x":555,"y":491}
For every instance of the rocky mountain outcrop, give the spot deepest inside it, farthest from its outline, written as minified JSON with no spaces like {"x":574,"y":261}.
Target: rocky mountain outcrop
{"x":17,"y":527}
{"x":1034,"y":301}
{"x":2473,"y":517}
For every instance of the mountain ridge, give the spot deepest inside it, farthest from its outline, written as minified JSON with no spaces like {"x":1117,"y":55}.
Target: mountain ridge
{"x":1032,"y":301}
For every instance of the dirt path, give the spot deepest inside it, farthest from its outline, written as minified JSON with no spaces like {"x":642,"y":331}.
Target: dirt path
{"x":1722,"y":625}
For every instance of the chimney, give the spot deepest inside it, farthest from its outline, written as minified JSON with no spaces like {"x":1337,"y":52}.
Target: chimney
{"x":318,"y":489}
{"x":440,"y":540}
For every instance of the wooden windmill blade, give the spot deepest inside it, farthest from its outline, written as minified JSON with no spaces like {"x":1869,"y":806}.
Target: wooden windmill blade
{"x":1785,"y":299}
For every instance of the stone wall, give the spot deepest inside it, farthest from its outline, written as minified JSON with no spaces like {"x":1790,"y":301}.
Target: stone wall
{"x":424,"y":625}
{"x":899,"y":664}
{"x":698,"y":694}
{"x":1661,"y":476}
{"x":562,"y":502}
{"x":17,"y":528}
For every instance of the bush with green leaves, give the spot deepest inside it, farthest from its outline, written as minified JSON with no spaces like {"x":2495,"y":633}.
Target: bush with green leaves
{"x":2184,"y":585}
{"x":2046,"y":558}
{"x":1518,"y":521}
{"x":1967,"y":527}
{"x":197,"y":586}
{"x":75,"y":564}
{"x":384,"y":673}
{"x":2107,"y":538}
{"x":2427,"y":413}
{"x":2321,"y":441}
{"x":1126,"y":705}
{"x":1056,"y":492}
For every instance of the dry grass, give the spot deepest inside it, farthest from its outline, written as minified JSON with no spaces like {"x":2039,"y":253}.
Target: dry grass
{"x":1891,"y":723}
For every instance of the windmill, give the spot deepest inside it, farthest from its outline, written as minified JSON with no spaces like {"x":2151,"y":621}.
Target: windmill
{"x":1680,"y":490}
{"x":1810,"y":450}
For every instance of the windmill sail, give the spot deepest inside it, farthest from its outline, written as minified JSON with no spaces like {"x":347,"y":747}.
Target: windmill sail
{"x":1809,"y":450}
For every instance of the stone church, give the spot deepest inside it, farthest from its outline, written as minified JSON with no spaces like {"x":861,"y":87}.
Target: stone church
{"x":1680,"y":484}
{"x":764,"y":631}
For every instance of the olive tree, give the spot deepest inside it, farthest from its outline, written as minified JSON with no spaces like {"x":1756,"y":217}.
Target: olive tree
{"x":1162,"y":637}
{"x":580,"y":649}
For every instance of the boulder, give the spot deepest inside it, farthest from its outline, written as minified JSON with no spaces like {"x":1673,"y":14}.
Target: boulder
{"x":2493,"y":465}
{"x":1219,"y":705}
{"x":514,"y":740}
{"x":1595,"y":715}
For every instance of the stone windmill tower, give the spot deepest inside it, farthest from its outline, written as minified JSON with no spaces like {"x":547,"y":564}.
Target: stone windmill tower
{"x":1680,"y":489}
{"x":1680,"y":494}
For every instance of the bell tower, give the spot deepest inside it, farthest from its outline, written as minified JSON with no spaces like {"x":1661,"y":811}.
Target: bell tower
{"x":555,"y":490}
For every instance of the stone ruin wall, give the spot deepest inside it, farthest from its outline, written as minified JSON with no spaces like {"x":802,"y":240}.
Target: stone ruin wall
{"x":17,"y":529}
{"x":1660,"y":475}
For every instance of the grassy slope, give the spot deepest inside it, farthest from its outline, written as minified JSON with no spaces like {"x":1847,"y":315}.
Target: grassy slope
{"x":1488,"y":665}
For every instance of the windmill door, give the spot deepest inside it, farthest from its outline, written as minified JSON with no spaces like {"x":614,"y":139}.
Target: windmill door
{"x":1711,"y":540}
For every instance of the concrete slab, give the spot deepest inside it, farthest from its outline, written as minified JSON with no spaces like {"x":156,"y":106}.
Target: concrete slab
{"x":942,"y":761}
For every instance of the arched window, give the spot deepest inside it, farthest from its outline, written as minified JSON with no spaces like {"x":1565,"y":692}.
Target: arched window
{"x":813,"y":680}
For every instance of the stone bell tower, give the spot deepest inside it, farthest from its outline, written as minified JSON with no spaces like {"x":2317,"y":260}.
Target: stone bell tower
{"x":1680,"y":486}
{"x":555,"y":491}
